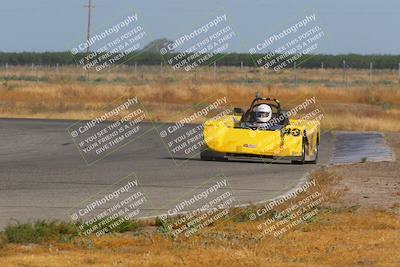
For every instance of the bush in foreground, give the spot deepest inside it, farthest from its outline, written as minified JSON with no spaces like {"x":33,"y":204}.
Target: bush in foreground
{"x":44,"y":231}
{"x":39,"y":231}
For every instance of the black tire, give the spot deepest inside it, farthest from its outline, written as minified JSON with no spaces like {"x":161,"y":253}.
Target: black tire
{"x":209,"y":155}
{"x":303,"y":153}
{"x":205,"y":156}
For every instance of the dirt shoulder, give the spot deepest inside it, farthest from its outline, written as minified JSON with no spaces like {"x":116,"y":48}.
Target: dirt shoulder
{"x":371,"y":185}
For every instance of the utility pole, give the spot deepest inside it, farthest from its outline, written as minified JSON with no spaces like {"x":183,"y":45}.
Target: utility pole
{"x":89,"y":6}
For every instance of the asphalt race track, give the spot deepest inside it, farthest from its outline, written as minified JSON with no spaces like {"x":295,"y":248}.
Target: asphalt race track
{"x":42,"y":174}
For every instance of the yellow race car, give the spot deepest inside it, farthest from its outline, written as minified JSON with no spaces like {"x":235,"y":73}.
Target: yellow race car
{"x":240,"y":136}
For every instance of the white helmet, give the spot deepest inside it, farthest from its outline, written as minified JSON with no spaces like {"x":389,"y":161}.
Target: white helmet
{"x":263,"y":113}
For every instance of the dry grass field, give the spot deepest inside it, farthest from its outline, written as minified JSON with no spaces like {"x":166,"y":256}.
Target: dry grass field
{"x":353,"y":100}
{"x":338,"y":238}
{"x":347,"y":231}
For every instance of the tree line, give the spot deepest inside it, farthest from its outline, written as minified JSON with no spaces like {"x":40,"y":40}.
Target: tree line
{"x":233,"y":59}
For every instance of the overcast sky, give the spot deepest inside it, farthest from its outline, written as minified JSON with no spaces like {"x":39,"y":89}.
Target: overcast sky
{"x":358,"y":26}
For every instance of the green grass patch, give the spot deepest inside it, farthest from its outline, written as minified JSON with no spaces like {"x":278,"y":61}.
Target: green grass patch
{"x":107,"y":225}
{"x":43,"y":231}
{"x":38,"y":232}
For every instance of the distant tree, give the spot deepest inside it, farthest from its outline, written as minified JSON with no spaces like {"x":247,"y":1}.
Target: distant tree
{"x":151,"y":56}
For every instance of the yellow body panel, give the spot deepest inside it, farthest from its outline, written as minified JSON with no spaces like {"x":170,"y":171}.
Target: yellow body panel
{"x":224,"y":135}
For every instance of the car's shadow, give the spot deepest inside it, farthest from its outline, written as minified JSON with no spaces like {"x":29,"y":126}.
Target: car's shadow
{"x":256,"y":161}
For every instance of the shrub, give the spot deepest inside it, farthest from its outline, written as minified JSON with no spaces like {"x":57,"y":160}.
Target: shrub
{"x":38,"y":232}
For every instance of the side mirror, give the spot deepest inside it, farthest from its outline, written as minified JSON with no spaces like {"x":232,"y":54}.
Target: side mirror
{"x":238,"y":111}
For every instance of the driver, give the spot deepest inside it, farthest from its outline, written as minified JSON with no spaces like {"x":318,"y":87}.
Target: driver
{"x":263,"y":114}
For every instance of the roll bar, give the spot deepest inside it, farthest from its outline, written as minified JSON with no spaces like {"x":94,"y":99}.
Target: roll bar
{"x":259,"y":98}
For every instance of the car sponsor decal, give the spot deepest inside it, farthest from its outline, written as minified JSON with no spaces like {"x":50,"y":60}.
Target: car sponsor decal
{"x":249,"y":145}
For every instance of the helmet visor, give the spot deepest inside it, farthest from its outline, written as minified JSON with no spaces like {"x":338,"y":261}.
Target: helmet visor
{"x":262,"y":114}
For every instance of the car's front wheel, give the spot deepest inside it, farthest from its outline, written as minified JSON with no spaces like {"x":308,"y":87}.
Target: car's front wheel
{"x":303,"y":153}
{"x":207,"y":154}
{"x":314,"y":161}
{"x":316,"y":150}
